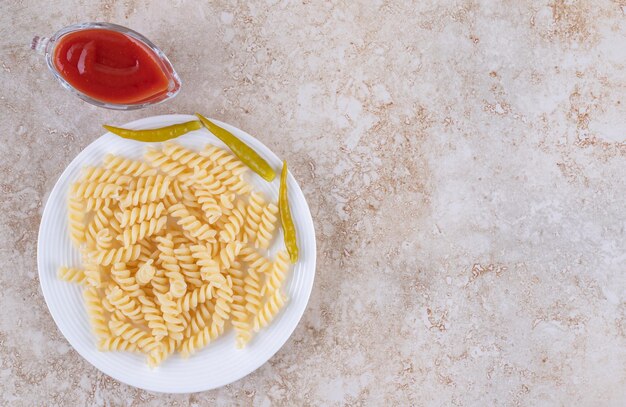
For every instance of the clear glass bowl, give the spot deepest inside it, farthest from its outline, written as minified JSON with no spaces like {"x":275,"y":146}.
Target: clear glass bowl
{"x":45,"y":46}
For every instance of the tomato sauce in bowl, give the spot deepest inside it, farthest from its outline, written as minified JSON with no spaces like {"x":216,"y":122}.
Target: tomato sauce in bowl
{"x":109,"y":65}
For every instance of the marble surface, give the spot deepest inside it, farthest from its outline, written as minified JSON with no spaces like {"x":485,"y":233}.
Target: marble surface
{"x":465,"y":166}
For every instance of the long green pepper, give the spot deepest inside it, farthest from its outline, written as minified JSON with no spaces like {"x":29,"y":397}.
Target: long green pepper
{"x":285,"y":217}
{"x":156,"y":135}
{"x":244,"y":152}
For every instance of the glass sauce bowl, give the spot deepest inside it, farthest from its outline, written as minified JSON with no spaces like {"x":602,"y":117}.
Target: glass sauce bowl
{"x":171,"y":82}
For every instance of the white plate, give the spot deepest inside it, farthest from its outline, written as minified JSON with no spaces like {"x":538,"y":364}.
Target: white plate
{"x":218,"y":364}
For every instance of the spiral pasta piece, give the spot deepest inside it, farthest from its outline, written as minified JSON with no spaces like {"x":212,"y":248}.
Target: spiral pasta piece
{"x":240,"y":314}
{"x":221,"y":160}
{"x":85,"y":190}
{"x":279,"y":271}
{"x":169,"y":199}
{"x":104,"y":175}
{"x":154,"y":317}
{"x":121,"y":254}
{"x":148,"y":252}
{"x":170,"y":265}
{"x":171,"y":316}
{"x":267,"y":226}
{"x":189,"y":200}
{"x":158,"y":355}
{"x":255,"y":259}
{"x":95,"y":311}
{"x":104,"y":239}
{"x":252,"y":291}
{"x":140,"y":213}
{"x":211,"y":272}
{"x":232,"y":180}
{"x":95,"y":204}
{"x":186,"y":157}
{"x":230,"y":230}
{"x":235,"y":183}
{"x":223,"y":299}
{"x":160,"y":283}
{"x":101,"y":220}
{"x":188,"y":267}
{"x":254,"y":211}
{"x":269,"y":311}
{"x":200,"y":340}
{"x":180,"y":237}
{"x":143,"y":340}
{"x":177,"y":188}
{"x":199,"y":319}
{"x":116,"y":343}
{"x":76,"y":215}
{"x":208,"y":204}
{"x":191,"y":224}
{"x":124,"y":303}
{"x":170,"y":167}
{"x":139,"y":231}
{"x":71,"y":275}
{"x":149,"y":181}
{"x":201,"y":179}
{"x":116,"y":314}
{"x":228,"y":254}
{"x":209,"y":268}
{"x":227,"y":201}
{"x":145,"y":195}
{"x":128,"y":167}
{"x":145,"y":272}
{"x":120,"y":273}
{"x":194,"y":298}
{"x":92,"y":271}
{"x":178,"y":288}
{"x":114,"y":225}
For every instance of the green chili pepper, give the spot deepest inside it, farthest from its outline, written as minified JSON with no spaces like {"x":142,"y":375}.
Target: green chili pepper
{"x":156,"y":135}
{"x":285,"y":217}
{"x":245,"y":153}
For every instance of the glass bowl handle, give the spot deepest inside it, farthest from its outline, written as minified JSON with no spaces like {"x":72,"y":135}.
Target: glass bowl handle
{"x":40,"y":44}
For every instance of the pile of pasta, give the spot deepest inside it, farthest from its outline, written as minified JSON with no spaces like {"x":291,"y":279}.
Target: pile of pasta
{"x":174,"y":250}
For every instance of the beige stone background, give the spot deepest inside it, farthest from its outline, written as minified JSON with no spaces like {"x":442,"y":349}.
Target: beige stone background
{"x":465,"y":166}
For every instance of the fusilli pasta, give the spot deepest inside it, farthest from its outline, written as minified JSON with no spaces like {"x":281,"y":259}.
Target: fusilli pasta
{"x":140,"y":213}
{"x":191,"y":224}
{"x":71,"y":275}
{"x":128,"y":167}
{"x":174,"y":251}
{"x":266,"y":226}
{"x":76,"y":215}
{"x":270,"y":309}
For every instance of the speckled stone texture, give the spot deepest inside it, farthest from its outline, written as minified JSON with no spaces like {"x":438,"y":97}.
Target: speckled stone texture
{"x":465,"y":164}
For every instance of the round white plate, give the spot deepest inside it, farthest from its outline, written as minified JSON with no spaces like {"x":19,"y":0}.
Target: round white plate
{"x":219,"y":363}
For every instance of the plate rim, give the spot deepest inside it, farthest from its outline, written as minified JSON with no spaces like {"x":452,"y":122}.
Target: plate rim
{"x":173,"y":118}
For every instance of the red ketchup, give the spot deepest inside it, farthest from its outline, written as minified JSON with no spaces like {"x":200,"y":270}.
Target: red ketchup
{"x":110,"y":66}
